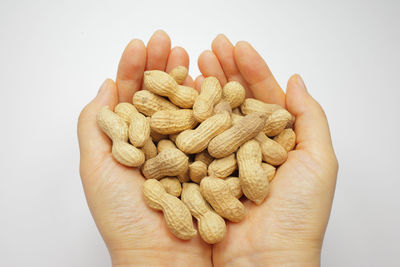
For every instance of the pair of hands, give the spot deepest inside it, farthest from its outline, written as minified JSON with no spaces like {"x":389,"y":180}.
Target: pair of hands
{"x":287,"y":229}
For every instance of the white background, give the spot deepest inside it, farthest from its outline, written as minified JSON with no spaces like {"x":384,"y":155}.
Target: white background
{"x":55,"y":54}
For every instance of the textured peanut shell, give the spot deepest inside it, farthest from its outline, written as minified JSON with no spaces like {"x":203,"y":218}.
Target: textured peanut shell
{"x":211,"y":226}
{"x":223,"y":167}
{"x":221,"y":107}
{"x":234,"y":186}
{"x":173,"y":137}
{"x":229,"y":141}
{"x":287,"y":139}
{"x":184,"y":96}
{"x":172,"y":186}
{"x":236,"y":118}
{"x":217,"y":192}
{"x":125,"y":111}
{"x":272,"y":152}
{"x":210,"y":94}
{"x":253,"y":179}
{"x":234,"y":93}
{"x":277,"y":122}
{"x":149,"y":149}
{"x":159,"y":82}
{"x":112,"y":125}
{"x":204,"y":157}
{"x":195,"y":141}
{"x":179,"y":74}
{"x":197,"y":171}
{"x":149,"y":103}
{"x":177,"y":215}
{"x":184,"y":177}
{"x":237,"y":111}
{"x":170,"y":162}
{"x":269,"y":170}
{"x":165,"y":144}
{"x":251,"y":105}
{"x":172,"y":121}
{"x":127,"y":154}
{"x":139,"y":130}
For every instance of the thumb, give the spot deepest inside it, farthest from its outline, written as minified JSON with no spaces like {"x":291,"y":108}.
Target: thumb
{"x":91,"y":138}
{"x":311,"y":125}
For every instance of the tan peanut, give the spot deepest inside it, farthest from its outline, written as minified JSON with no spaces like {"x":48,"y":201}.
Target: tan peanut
{"x":197,"y":171}
{"x":117,"y":130}
{"x":139,"y":130}
{"x":251,"y":105}
{"x":173,"y":137}
{"x":210,"y":94}
{"x":217,"y":192}
{"x":229,"y":141}
{"x":163,"y":84}
{"x":234,"y":186}
{"x":223,"y":167}
{"x":179,"y":74}
{"x":272,"y":152}
{"x":269,"y":170}
{"x":149,"y":149}
{"x":172,"y":121}
{"x":166,"y":144}
{"x":237,"y":111}
{"x":204,"y":157}
{"x":169,"y":162}
{"x":236,"y":118}
{"x":149,"y":103}
{"x":177,"y":216}
{"x":211,"y":226}
{"x":277,"y":122}
{"x":287,"y":139}
{"x":194,"y":141}
{"x":253,"y":179}
{"x":172,"y":186}
{"x":234,"y":93}
{"x":125,"y":111}
{"x":221,"y":107}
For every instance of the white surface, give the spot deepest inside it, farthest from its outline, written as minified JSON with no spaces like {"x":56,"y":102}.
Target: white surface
{"x":54,"y":56}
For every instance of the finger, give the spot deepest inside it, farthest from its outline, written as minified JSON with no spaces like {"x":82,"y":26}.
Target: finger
{"x":311,"y":126}
{"x":92,"y":141}
{"x":257,"y":74}
{"x":158,"y":49}
{"x":188,"y":81}
{"x":130,"y":70}
{"x":177,"y":57}
{"x":223,"y":50}
{"x":198,"y":82}
{"x":209,"y":66}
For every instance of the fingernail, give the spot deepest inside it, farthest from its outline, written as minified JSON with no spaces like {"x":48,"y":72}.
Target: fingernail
{"x":102,"y":87}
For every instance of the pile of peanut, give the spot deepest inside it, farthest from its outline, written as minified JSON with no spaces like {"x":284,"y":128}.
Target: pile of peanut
{"x":200,"y":152}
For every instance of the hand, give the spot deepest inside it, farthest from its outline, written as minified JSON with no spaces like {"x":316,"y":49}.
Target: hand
{"x":288,"y":228}
{"x":133,"y":233}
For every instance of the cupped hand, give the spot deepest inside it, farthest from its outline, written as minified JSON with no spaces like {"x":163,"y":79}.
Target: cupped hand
{"x":288,"y":227}
{"x":133,"y":233}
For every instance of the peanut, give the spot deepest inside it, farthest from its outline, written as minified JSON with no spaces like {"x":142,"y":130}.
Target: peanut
{"x":234,"y":93}
{"x":217,"y":192}
{"x":277,"y":122}
{"x":139,"y":130}
{"x":236,"y":118}
{"x":177,"y":215}
{"x":179,"y":74}
{"x":149,"y":149}
{"x":117,"y":130}
{"x":125,"y":111}
{"x":204,"y":157}
{"x":234,"y":186}
{"x":172,"y":121}
{"x":169,"y":162}
{"x":210,"y":94}
{"x":272,"y":152}
{"x":194,"y":141}
{"x":148,"y":103}
{"x":172,"y":186}
{"x":197,"y":171}
{"x":229,"y":141}
{"x":253,"y":179}
{"x":269,"y":170}
{"x":221,"y":107}
{"x":163,"y":84}
{"x":173,"y":137}
{"x":211,"y":226}
{"x":251,"y":105}
{"x":287,"y":139}
{"x":237,"y":111}
{"x":223,"y":167}
{"x":168,"y":144}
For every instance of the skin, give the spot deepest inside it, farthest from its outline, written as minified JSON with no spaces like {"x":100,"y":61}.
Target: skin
{"x":286,"y":229}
